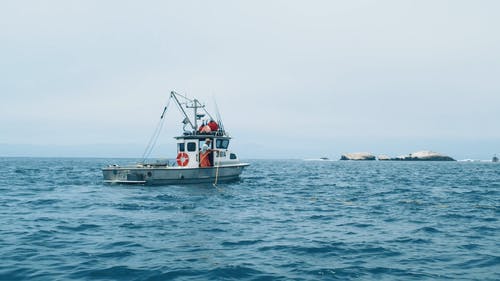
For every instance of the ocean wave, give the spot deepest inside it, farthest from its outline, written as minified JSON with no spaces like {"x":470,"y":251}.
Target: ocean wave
{"x":286,"y":220}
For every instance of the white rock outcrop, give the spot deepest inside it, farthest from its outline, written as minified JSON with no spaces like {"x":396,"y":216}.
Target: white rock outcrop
{"x":358,"y":156}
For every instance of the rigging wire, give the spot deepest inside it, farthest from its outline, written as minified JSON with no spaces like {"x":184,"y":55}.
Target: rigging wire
{"x":156,"y":134}
{"x":154,"y":138}
{"x":179,"y":106}
{"x":219,"y":119}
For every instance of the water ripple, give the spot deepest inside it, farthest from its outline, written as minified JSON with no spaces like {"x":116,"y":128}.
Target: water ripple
{"x":285,"y":220}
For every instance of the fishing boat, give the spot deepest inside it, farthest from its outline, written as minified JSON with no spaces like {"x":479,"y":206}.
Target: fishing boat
{"x":494,"y":159}
{"x":202,"y":152}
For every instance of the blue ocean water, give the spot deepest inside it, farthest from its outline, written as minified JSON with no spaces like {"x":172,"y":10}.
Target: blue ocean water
{"x":285,"y":220}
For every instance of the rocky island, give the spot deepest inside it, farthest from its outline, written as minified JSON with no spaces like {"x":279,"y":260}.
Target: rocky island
{"x":358,"y":156}
{"x":423,"y":156}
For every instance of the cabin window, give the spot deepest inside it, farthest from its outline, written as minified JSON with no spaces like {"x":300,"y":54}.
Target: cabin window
{"x":222,"y":143}
{"x":181,"y":147}
{"x":191,"y":146}
{"x":232,"y":156}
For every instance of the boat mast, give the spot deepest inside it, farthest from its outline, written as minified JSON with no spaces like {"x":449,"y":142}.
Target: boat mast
{"x":195,"y":105}
{"x":174,"y":95}
{"x":190,"y":103}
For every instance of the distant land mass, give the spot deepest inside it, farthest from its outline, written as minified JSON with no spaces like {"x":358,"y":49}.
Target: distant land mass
{"x":423,"y":156}
{"x":416,"y":156}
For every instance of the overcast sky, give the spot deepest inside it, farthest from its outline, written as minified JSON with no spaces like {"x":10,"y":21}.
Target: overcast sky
{"x":293,"y":79}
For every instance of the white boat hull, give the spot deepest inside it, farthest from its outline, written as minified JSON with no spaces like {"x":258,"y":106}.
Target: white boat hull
{"x":165,"y":175}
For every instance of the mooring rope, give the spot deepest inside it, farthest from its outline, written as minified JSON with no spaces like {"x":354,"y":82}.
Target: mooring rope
{"x":217,"y":168}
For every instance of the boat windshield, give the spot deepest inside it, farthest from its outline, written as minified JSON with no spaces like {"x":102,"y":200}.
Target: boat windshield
{"x":222,"y":143}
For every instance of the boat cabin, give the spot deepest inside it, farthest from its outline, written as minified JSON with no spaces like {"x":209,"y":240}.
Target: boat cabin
{"x":190,"y":154}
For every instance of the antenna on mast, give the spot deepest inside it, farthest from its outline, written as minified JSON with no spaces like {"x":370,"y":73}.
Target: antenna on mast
{"x":195,"y":104}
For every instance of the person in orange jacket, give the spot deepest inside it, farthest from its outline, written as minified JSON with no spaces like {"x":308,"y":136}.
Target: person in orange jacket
{"x":205,"y":154}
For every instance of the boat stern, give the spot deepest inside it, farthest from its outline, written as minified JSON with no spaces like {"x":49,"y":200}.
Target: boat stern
{"x":116,"y":174}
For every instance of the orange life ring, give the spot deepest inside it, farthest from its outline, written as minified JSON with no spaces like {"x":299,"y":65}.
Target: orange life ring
{"x":182,"y":159}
